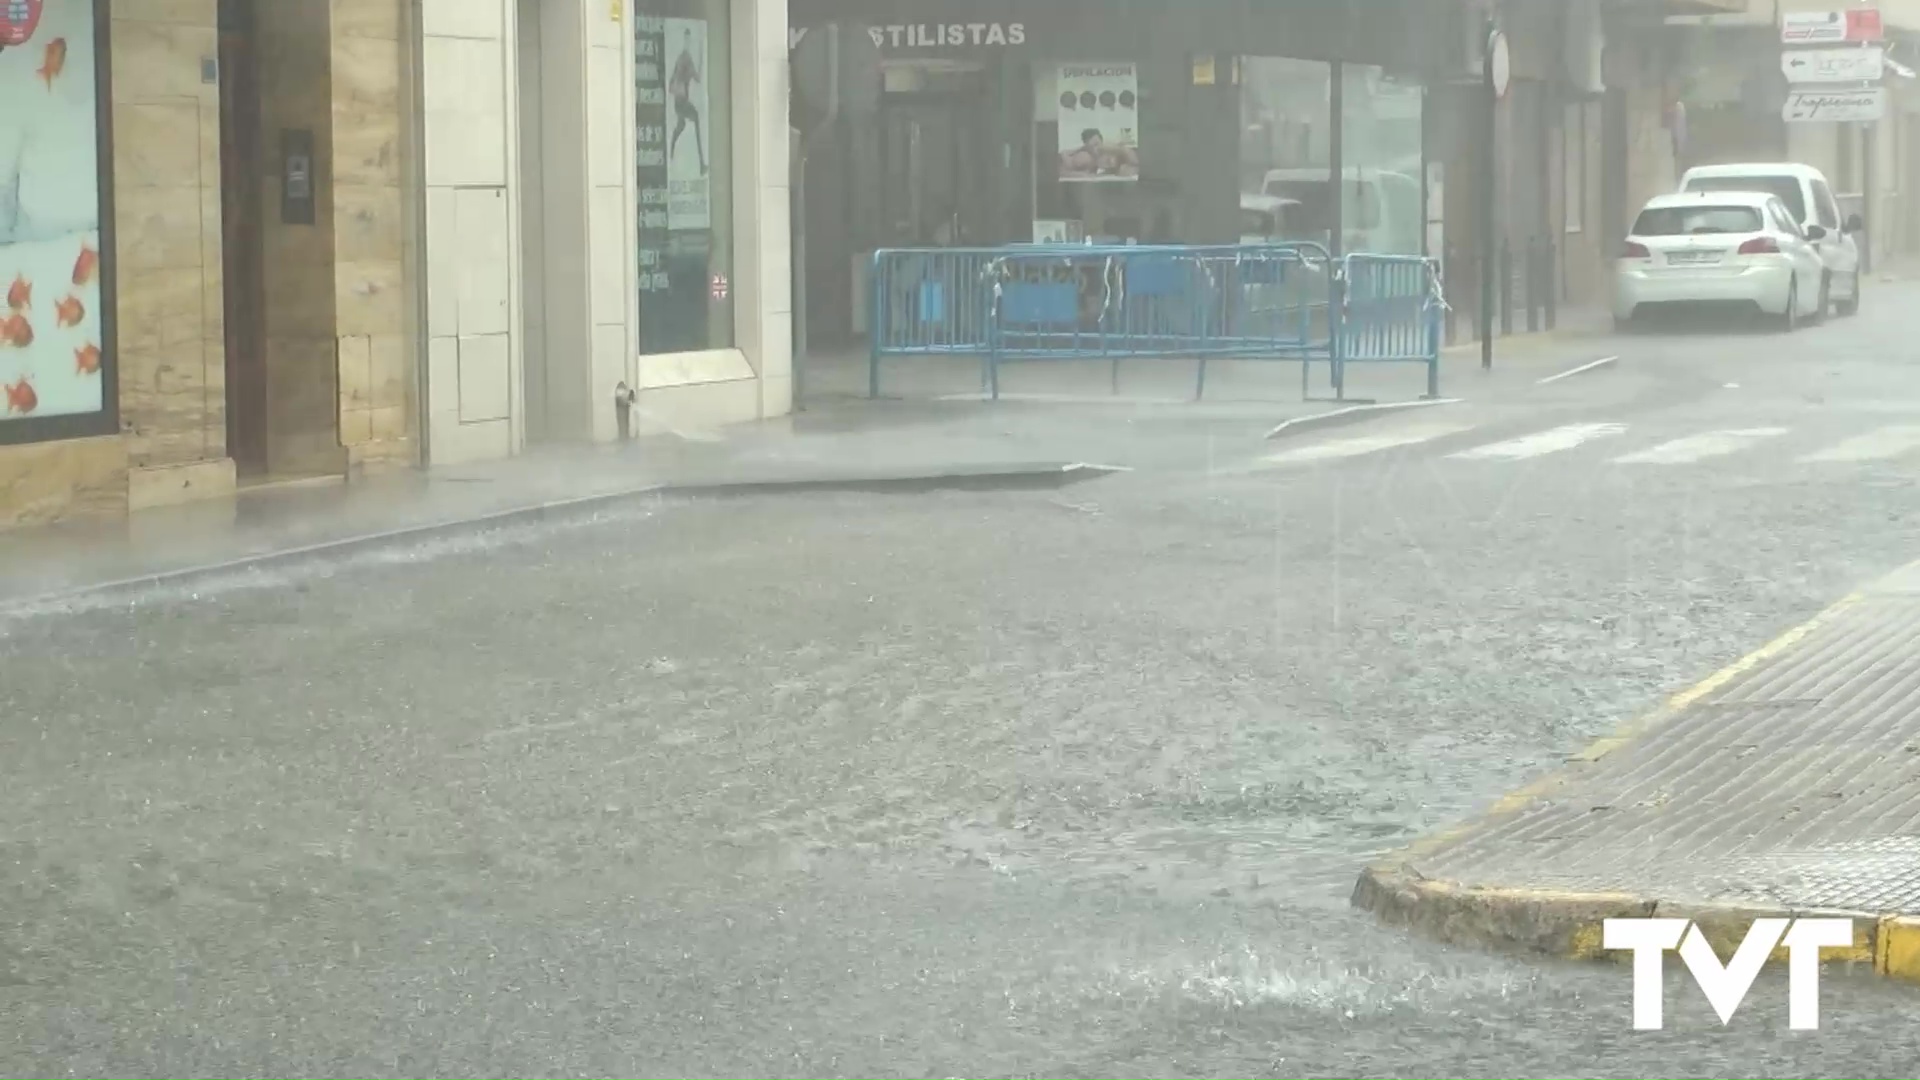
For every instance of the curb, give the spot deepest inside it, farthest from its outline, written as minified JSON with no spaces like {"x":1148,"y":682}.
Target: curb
{"x":1591,"y":365}
{"x":1025,"y":477}
{"x":1353,"y":413}
{"x":1568,"y":924}
{"x":1523,"y":339}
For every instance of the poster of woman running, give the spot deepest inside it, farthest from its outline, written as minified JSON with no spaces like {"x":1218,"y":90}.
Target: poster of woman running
{"x":686,"y":55}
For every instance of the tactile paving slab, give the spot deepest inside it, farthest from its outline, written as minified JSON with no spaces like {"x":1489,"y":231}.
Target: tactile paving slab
{"x":1796,"y":785}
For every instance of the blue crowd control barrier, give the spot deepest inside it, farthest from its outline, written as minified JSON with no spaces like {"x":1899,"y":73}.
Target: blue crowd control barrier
{"x":1393,"y":309}
{"x":1282,"y":301}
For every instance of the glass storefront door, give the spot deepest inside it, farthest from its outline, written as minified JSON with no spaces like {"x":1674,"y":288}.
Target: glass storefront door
{"x":937,"y":183}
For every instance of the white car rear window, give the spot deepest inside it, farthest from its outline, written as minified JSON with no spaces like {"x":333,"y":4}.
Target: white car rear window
{"x":1786,"y":188}
{"x":1697,"y":220}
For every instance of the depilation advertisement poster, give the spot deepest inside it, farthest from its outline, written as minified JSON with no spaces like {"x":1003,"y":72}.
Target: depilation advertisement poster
{"x":1099,"y":122}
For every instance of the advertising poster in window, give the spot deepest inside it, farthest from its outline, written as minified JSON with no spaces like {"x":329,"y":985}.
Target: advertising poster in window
{"x":686,"y":53}
{"x":650,"y":153}
{"x":50,"y":324}
{"x":1099,"y":122}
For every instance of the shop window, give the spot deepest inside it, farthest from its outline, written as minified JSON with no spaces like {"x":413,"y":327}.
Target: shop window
{"x":54,"y":343}
{"x":1286,"y":148}
{"x":683,"y":163}
{"x":1380,"y":150}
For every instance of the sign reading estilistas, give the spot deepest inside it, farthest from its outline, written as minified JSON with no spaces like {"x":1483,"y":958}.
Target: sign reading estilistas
{"x":898,"y":37}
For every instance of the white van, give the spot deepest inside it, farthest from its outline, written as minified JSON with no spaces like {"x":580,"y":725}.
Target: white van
{"x":1805,"y":191}
{"x":1382,"y":208}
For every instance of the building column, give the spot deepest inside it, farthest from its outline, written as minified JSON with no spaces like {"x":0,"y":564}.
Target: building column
{"x":762,"y":145}
{"x":468,"y":100}
{"x":169,"y":326}
{"x":373,"y":318}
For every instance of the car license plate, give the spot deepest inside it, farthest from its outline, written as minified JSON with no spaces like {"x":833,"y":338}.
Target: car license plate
{"x":1692,"y":258}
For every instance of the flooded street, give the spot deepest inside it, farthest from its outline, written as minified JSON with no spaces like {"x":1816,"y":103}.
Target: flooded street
{"x":1002,"y":784}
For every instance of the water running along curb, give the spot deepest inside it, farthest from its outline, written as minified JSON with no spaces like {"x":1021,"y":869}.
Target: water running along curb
{"x":1351,"y":414}
{"x":1591,"y":365}
{"x":1023,"y":477}
{"x":1568,"y":923}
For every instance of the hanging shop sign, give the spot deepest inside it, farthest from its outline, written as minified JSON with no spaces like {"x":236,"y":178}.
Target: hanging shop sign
{"x":1855,"y":25}
{"x":1835,"y":106}
{"x":1866,"y":64}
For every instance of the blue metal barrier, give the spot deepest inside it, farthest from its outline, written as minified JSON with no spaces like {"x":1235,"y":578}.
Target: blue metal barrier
{"x":1285,"y":301}
{"x":1392,"y":309}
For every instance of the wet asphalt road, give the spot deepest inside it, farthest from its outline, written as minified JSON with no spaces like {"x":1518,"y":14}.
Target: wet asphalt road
{"x":992,"y":784}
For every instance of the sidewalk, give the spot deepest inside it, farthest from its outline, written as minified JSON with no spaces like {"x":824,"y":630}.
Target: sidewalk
{"x":1787,"y":783}
{"x":838,"y":440}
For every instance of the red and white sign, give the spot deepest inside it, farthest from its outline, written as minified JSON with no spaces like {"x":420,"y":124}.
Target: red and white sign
{"x":18,"y":18}
{"x":1856,"y":25}
{"x":718,"y":286}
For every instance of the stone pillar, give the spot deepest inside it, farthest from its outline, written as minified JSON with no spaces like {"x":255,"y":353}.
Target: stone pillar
{"x":167,"y":249}
{"x":371,"y":299}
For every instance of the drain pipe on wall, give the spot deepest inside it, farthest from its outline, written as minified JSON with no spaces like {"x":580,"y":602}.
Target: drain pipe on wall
{"x":623,"y":400}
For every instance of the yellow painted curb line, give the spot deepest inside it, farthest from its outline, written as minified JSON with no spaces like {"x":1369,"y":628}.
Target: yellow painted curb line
{"x":1569,"y":924}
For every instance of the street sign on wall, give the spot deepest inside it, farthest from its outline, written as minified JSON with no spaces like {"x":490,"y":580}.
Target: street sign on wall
{"x":1865,"y":64}
{"x":1855,"y":25}
{"x":1834,"y":106}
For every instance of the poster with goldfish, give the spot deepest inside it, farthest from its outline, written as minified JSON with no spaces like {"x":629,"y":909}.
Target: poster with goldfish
{"x":50,"y":319}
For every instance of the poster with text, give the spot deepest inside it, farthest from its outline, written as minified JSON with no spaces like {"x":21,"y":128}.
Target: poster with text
{"x":686,"y":57}
{"x":50,"y":341}
{"x":1099,"y":122}
{"x":650,"y":111}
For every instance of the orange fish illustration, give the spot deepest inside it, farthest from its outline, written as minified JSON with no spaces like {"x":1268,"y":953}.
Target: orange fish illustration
{"x":56,"y":61}
{"x":21,"y":398}
{"x":86,"y":265}
{"x":20,"y":294}
{"x":16,"y":331}
{"x":69,"y":311}
{"x":86,"y":359}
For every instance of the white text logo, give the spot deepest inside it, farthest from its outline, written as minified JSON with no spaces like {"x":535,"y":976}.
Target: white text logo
{"x":1726,"y":985}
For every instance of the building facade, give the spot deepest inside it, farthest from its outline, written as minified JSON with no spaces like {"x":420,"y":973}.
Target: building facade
{"x":309,"y":240}
{"x":1733,"y":98}
{"x":1010,"y":121}
{"x":201,"y":235}
{"x":606,"y":210}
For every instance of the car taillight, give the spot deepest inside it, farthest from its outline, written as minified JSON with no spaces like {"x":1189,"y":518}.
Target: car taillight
{"x":1635,"y":250}
{"x":1760,"y":245}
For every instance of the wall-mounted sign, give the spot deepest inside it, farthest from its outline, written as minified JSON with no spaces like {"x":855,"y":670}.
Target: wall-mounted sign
{"x":1861,"y":24}
{"x":1835,"y":106}
{"x":1866,"y":64}
{"x":898,"y":37}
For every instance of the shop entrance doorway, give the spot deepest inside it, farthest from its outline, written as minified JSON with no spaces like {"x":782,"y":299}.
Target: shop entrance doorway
{"x":938,"y":176}
{"x":242,"y":245}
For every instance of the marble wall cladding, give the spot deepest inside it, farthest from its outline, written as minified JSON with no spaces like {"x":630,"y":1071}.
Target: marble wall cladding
{"x":42,"y":483}
{"x":369,"y":94}
{"x":167,"y":253}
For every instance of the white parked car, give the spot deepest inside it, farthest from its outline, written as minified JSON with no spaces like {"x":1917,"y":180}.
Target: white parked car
{"x":1809,"y":199}
{"x":1718,"y":248}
